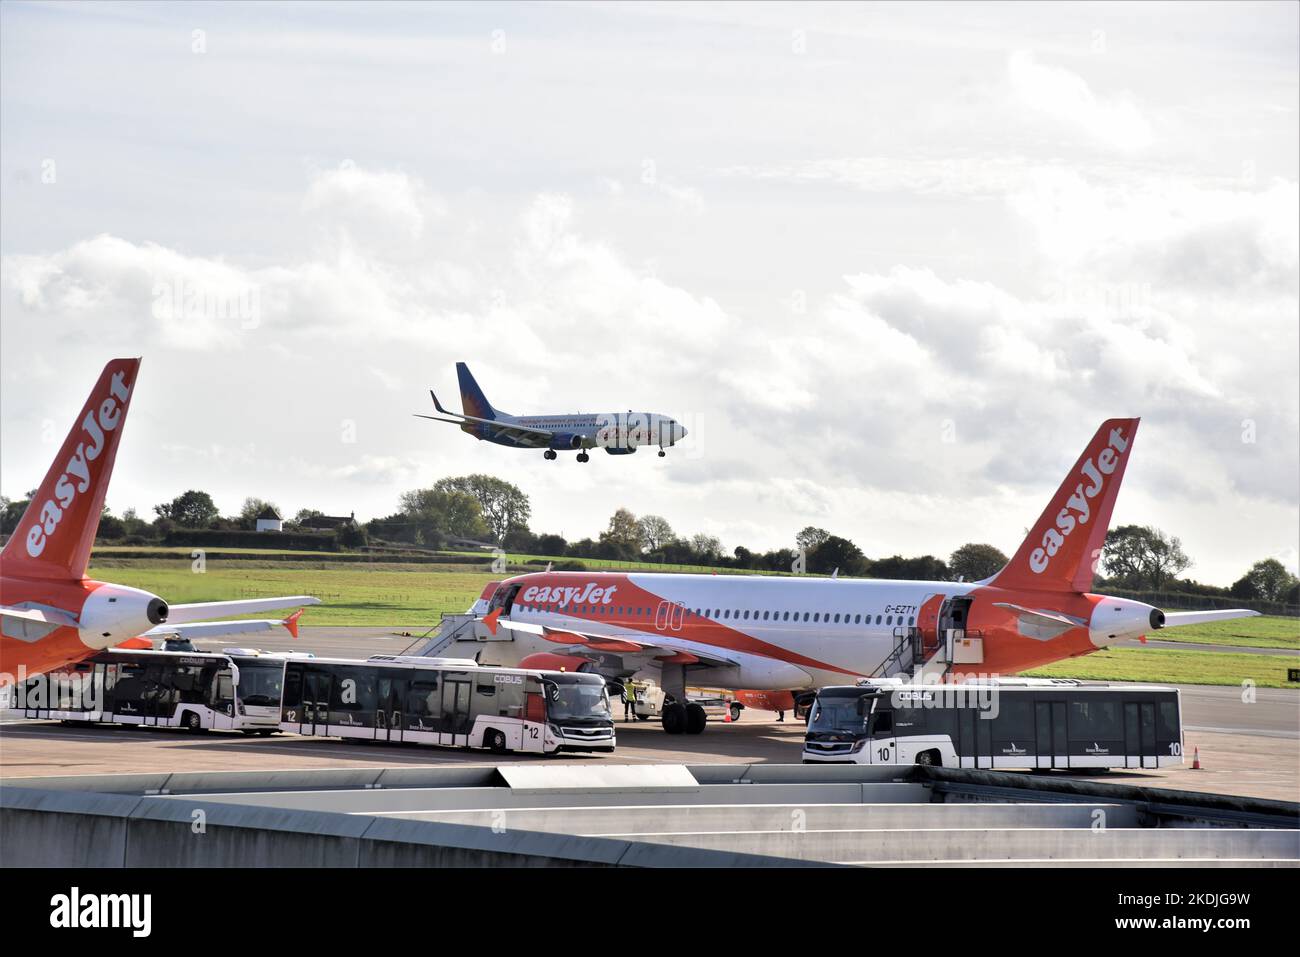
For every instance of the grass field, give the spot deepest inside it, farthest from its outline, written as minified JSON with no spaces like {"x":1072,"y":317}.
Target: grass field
{"x":1161,"y":666}
{"x":1263,"y":632}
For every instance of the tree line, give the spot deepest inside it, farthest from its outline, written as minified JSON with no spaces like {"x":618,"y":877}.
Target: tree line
{"x":486,"y":509}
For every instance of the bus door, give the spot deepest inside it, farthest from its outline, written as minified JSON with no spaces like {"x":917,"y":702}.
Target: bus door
{"x":535,"y":714}
{"x":454,"y":728}
{"x":1053,"y":750}
{"x":316,"y":686}
{"x":157,"y":696}
{"x":390,"y":706}
{"x":1140,"y":735}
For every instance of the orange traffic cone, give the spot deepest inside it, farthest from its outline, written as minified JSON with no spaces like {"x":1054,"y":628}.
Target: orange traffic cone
{"x":726,"y":715}
{"x":1196,"y":760}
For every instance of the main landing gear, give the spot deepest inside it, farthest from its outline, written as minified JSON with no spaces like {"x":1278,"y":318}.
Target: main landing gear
{"x":549,"y":454}
{"x":681,"y":718}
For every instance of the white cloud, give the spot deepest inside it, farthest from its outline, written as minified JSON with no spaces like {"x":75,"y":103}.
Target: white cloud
{"x":1066,"y":98}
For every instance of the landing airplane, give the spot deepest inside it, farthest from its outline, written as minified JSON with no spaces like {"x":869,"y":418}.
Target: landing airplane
{"x":778,"y":639}
{"x":618,"y":433}
{"x":51,"y":615}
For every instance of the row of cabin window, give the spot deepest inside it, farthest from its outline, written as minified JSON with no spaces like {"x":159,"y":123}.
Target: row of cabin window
{"x":722,"y":614}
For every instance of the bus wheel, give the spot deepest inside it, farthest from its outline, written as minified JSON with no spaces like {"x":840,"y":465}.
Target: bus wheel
{"x":674,"y":718}
{"x":193,"y":722}
{"x":496,"y":740}
{"x":735,"y":711}
{"x":930,"y":759}
{"x":696,"y":719}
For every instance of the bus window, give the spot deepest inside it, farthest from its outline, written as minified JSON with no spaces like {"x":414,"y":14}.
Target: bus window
{"x":1091,"y":718}
{"x":882,"y":724}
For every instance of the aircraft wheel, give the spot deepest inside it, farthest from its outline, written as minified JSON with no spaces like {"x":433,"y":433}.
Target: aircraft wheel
{"x":662,"y":453}
{"x":583,"y":456}
{"x":696,"y":719}
{"x":549,"y":454}
{"x":674,"y":718}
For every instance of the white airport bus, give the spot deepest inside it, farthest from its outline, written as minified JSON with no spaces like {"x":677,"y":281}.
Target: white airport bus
{"x":234,"y":690}
{"x":996,"y":723}
{"x":447,"y":701}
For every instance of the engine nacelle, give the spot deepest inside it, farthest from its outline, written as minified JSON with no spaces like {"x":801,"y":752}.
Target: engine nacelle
{"x":113,"y":613}
{"x":1114,"y":619}
{"x":548,"y":661}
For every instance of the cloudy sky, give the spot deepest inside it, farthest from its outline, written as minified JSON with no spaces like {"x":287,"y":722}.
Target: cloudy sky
{"x":890,"y":264}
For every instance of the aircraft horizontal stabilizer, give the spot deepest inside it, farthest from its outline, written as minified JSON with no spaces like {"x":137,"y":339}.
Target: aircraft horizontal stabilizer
{"x":1173,"y":619}
{"x":1041,"y":617}
{"x":40,"y":616}
{"x":201,"y":611}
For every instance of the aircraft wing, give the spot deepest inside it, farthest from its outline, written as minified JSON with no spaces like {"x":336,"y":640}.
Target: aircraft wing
{"x":576,"y":642}
{"x":1174,"y":619}
{"x":202,"y":611}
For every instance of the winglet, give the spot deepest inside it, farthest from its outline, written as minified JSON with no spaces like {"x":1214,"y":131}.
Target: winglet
{"x":490,"y":619}
{"x":291,"y":623}
{"x":438,"y":405}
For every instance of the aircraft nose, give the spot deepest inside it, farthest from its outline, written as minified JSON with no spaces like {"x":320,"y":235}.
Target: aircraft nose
{"x":680,"y":430}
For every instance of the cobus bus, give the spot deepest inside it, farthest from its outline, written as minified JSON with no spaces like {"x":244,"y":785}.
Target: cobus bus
{"x":186,"y":689}
{"x":449,"y":702}
{"x":997,"y":723}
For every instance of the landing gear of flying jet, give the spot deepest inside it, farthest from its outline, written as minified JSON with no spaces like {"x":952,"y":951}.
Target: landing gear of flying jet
{"x":583,"y":457}
{"x":549,"y":454}
{"x":662,"y":453}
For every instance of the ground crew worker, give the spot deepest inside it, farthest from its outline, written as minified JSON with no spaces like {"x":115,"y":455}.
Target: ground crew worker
{"x":629,"y":701}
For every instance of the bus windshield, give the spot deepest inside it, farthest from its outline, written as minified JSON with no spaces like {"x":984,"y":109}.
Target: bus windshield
{"x":565,"y":702}
{"x":260,"y":682}
{"x":839,"y":714}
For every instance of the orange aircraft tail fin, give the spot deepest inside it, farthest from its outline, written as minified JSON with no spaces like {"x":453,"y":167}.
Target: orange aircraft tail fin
{"x":57,"y":530}
{"x":1064,"y":547}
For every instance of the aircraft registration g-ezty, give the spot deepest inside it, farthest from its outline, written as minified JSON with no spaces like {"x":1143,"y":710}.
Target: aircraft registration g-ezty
{"x":776,"y":639}
{"x":618,"y":433}
{"x":51,"y":615}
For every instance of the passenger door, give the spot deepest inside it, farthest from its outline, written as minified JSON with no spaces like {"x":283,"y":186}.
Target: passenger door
{"x":316,"y":688}
{"x":455,"y":710}
{"x":390,"y":695}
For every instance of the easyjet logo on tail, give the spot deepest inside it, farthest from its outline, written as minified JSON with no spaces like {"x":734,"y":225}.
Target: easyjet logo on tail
{"x":1078,"y":507}
{"x":75,"y":479}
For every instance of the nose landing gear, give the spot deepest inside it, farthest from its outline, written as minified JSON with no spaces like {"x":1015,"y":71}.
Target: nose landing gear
{"x":662,"y":453}
{"x":549,"y":454}
{"x":583,"y":457}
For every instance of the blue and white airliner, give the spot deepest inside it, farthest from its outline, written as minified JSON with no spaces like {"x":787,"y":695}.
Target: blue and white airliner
{"x":618,"y":433}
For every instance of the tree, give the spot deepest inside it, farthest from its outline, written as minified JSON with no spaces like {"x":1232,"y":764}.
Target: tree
{"x":1267,"y":580}
{"x":192,"y":509}
{"x":623,"y":532}
{"x":252,"y":508}
{"x":811,"y":537}
{"x":835,"y":552}
{"x":503,"y":506}
{"x":305,"y":513}
{"x":972,"y":563}
{"x":111,"y":528}
{"x":1142,"y":557}
{"x":551,"y":545}
{"x":707,"y":548}
{"x":432,"y":510}
{"x":655,"y":532}
{"x":924,"y":568}
{"x":350,"y":535}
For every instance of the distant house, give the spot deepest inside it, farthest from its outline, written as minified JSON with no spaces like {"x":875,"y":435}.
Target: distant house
{"x":329,"y":522}
{"x":268,"y":520}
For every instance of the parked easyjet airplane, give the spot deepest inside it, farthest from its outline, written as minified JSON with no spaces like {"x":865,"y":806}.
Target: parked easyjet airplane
{"x":51,"y":615}
{"x":618,"y":433}
{"x":778,"y":637}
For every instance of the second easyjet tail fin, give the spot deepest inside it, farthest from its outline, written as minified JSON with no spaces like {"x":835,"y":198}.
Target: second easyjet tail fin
{"x":57,"y":531}
{"x":1064,"y":546}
